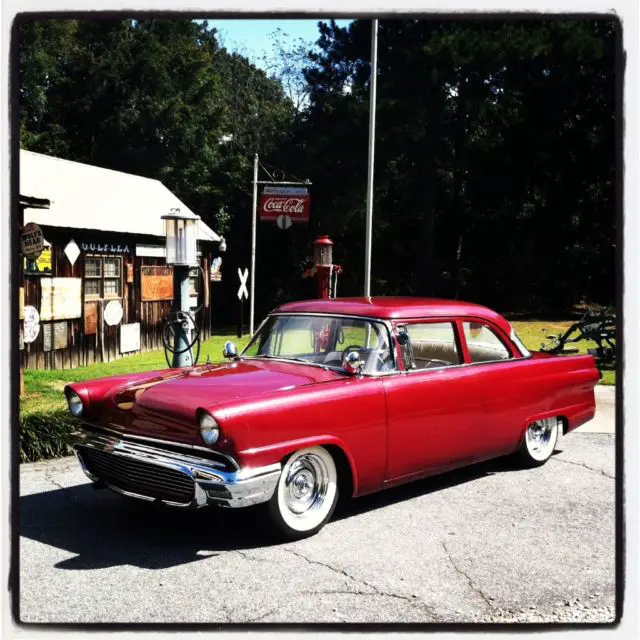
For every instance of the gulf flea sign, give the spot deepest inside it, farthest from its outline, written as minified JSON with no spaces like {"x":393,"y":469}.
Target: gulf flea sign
{"x":297,"y":207}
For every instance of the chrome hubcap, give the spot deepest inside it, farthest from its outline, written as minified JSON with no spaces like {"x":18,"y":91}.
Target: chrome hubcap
{"x":540,"y":437}
{"x":306,"y":484}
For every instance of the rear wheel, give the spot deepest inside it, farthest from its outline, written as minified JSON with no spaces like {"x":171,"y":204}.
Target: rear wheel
{"x":539,"y":442}
{"x":306,"y":495}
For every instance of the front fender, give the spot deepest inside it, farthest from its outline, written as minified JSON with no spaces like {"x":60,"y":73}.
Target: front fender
{"x":279,"y":451}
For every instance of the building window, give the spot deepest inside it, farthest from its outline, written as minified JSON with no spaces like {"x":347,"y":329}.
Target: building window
{"x":102,"y":277}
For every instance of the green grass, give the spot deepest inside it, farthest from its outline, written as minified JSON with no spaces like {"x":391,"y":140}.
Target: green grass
{"x":532,"y":334}
{"x":43,"y":388}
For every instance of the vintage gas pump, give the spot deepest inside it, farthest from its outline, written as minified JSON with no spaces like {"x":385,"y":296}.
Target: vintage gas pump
{"x":326,"y":272}
{"x":180,"y":332}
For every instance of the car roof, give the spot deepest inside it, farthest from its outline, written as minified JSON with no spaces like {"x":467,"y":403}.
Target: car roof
{"x":395,"y":308}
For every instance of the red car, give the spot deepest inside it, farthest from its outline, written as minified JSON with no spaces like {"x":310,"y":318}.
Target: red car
{"x":344,"y":396}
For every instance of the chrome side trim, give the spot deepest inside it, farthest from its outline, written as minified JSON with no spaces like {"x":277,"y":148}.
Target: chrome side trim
{"x":212,"y":485}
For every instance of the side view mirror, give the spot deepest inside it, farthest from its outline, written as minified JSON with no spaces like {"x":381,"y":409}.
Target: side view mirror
{"x":230,"y":350}
{"x":352,"y":362}
{"x":402,"y":338}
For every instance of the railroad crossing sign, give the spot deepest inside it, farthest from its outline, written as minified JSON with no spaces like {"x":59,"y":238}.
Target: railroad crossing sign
{"x":242,"y":291}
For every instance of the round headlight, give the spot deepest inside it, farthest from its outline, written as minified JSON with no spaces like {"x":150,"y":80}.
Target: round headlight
{"x":75,"y":404}
{"x":209,"y":429}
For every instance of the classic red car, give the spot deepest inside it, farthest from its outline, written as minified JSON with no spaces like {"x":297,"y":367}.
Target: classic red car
{"x":343,"y":396}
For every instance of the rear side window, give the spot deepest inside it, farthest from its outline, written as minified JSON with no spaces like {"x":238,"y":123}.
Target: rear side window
{"x":484,"y":345}
{"x":433,"y":345}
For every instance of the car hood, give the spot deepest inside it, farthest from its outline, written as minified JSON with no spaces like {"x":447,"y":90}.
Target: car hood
{"x":209,"y":385}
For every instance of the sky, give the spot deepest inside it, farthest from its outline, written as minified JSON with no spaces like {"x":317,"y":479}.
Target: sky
{"x":251,"y":37}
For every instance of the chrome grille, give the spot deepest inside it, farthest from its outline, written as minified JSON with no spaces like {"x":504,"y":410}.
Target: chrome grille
{"x":139,"y":477}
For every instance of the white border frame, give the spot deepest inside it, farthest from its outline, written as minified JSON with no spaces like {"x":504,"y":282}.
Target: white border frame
{"x":627,"y":11}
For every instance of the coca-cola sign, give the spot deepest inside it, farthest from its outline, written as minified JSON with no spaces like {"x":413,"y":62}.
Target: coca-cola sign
{"x":296,"y":207}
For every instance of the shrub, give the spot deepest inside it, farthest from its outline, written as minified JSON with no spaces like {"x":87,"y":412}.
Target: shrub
{"x":43,"y":435}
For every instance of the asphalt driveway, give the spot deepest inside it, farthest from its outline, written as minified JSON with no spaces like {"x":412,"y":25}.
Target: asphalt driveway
{"x":486,"y":543}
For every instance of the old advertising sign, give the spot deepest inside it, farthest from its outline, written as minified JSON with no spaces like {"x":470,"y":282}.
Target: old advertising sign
{"x":31,"y":241}
{"x":288,"y":191}
{"x":156,"y":283}
{"x":216,"y":274}
{"x":113,"y":313}
{"x":55,"y":335}
{"x":129,"y":272}
{"x":61,"y":298}
{"x":47,"y":337}
{"x":72,"y":251}
{"x":295,"y":207}
{"x":283,"y":222}
{"x":129,"y":337}
{"x":90,"y":318}
{"x":31,"y":324}
{"x":106,"y":247}
{"x":42,"y":264}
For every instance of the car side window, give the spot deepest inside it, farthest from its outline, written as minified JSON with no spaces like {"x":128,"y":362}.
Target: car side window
{"x":433,"y":344}
{"x":483,"y":343}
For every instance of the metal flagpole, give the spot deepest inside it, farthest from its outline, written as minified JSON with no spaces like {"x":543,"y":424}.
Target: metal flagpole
{"x":372,"y":133}
{"x":253,"y":242}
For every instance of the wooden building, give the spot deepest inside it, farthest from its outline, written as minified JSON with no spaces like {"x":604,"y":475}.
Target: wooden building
{"x":101,"y":287}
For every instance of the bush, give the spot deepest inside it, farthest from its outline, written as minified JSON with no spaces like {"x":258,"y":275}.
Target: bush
{"x":43,"y":435}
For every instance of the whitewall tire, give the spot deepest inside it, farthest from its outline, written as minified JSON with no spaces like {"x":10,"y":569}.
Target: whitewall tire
{"x":539,"y":442}
{"x":306,"y":495}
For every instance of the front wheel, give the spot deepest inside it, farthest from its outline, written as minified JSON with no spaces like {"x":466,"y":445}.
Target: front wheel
{"x":539,"y":442}
{"x":306,"y":495}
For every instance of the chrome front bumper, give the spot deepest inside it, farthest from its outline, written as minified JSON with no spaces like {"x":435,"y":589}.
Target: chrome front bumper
{"x":212,"y":484}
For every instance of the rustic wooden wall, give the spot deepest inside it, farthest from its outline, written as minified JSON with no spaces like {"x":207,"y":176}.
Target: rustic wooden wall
{"x":104,"y":346}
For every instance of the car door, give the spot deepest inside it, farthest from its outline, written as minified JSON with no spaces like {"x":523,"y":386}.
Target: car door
{"x":433,"y":404}
{"x":501,"y":384}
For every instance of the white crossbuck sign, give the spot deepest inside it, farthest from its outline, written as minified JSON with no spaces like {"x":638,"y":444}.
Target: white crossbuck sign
{"x":242,"y":291}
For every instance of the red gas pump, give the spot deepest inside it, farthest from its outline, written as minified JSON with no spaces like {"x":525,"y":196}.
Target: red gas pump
{"x":326,"y":272}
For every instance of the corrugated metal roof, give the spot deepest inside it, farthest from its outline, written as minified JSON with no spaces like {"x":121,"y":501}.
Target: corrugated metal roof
{"x":87,"y":197}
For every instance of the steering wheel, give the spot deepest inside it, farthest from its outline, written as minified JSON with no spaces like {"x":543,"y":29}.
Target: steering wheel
{"x":352,"y":347}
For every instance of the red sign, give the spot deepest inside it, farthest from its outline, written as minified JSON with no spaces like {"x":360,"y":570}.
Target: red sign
{"x":296,"y":207}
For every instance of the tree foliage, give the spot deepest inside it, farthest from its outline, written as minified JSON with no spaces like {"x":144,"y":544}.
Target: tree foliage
{"x":494,"y":158}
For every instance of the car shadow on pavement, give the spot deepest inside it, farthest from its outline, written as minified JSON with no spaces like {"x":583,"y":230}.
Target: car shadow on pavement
{"x":423,"y":487}
{"x":103,"y":529}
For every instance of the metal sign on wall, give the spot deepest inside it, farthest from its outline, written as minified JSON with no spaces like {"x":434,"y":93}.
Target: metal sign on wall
{"x":40,"y":265}
{"x":31,"y":240}
{"x":31,"y":327}
{"x":296,"y":207}
{"x":156,"y":283}
{"x":55,"y":335}
{"x":113,"y":313}
{"x":61,"y":298}
{"x":129,"y":337}
{"x":90,"y":318}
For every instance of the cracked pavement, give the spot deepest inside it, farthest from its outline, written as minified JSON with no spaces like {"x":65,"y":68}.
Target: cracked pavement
{"x":486,"y":543}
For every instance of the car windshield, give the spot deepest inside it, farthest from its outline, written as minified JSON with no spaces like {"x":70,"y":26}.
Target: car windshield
{"x":322,"y":340}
